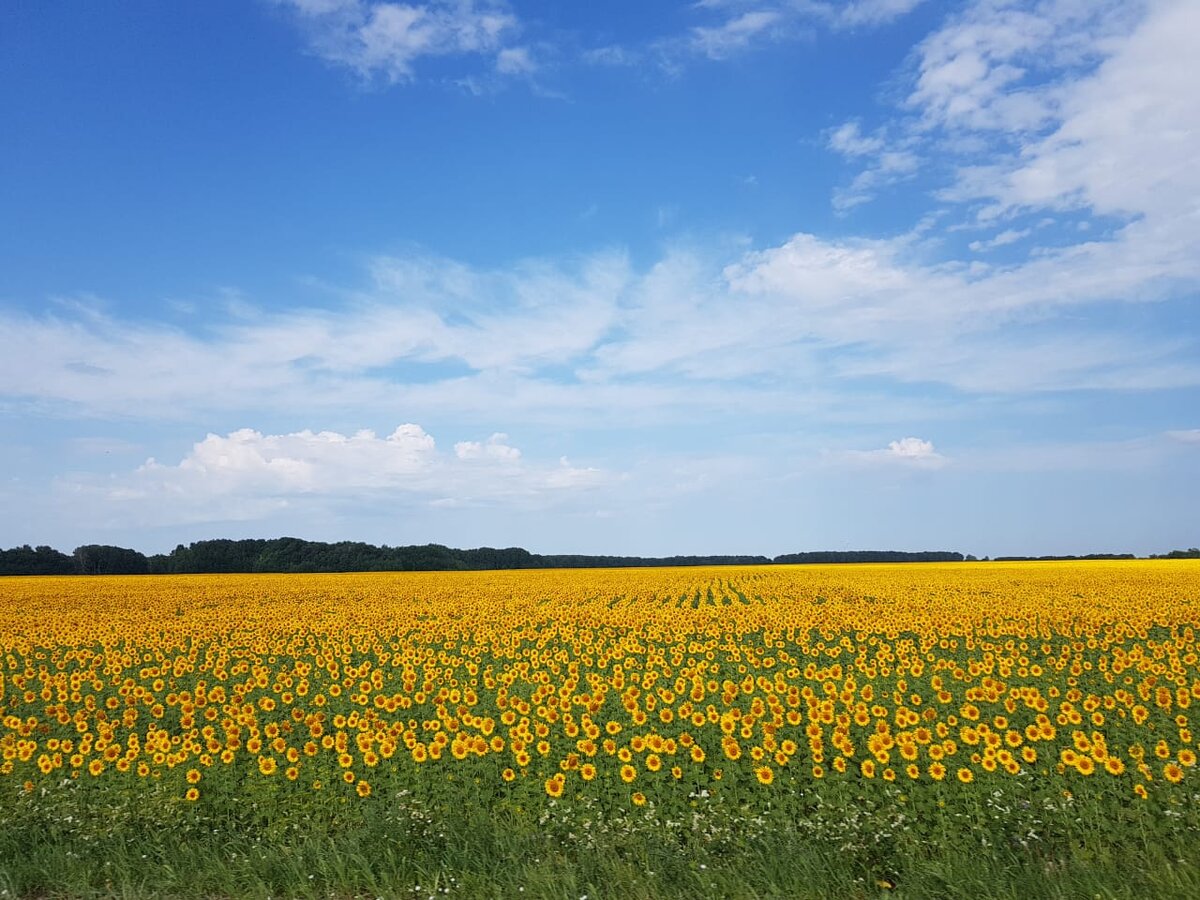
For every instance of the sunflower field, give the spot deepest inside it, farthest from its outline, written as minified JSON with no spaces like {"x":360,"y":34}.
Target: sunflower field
{"x":906,"y":730}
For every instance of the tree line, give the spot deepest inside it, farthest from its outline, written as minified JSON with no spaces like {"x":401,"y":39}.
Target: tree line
{"x":297,"y":555}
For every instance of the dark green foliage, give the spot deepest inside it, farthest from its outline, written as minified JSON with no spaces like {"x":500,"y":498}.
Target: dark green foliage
{"x":26,"y":560}
{"x":1066,"y":558}
{"x":97,"y":559}
{"x":869,"y":556}
{"x":289,"y":554}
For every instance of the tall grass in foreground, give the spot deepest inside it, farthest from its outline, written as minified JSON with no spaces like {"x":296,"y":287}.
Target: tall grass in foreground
{"x":867,"y":840}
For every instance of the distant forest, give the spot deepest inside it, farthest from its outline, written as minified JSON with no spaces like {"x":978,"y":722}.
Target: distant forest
{"x":296,"y":555}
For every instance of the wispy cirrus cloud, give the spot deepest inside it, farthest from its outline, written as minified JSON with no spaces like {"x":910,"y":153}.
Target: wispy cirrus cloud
{"x":736,"y":34}
{"x":732,"y":28}
{"x":384,"y":40}
{"x":595,"y":339}
{"x":1056,"y":105}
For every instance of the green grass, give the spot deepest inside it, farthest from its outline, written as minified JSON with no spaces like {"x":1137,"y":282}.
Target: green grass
{"x":846,"y":841}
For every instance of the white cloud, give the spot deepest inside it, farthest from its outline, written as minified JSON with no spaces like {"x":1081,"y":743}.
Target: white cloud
{"x":735,"y":34}
{"x":381,"y":39}
{"x":908,"y":451}
{"x":886,"y":162}
{"x":911,"y":448}
{"x":248,"y":474}
{"x":793,"y":326}
{"x":495,"y":447}
{"x":1056,"y":104}
{"x":1123,"y":141}
{"x":1188,"y":436}
{"x":515,"y":61}
{"x":1003,"y":239}
{"x":872,"y":12}
{"x":890,"y":166}
{"x":610,"y":55}
{"x":1002,"y":66}
{"x":597,"y":342}
{"x":849,"y":140}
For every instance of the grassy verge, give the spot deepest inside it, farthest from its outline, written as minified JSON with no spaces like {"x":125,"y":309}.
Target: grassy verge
{"x":848,"y":841}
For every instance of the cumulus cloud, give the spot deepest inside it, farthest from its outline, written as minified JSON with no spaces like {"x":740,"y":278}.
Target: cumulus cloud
{"x":246,"y":473}
{"x":907,"y":451}
{"x":385,"y":40}
{"x":495,"y":447}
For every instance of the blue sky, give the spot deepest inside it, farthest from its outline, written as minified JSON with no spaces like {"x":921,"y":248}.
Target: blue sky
{"x":724,"y":276}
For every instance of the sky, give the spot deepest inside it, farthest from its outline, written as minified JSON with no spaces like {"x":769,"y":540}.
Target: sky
{"x":728,"y":276}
